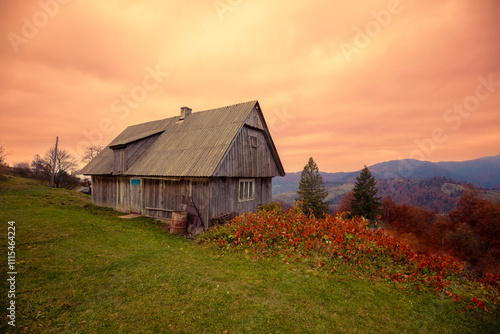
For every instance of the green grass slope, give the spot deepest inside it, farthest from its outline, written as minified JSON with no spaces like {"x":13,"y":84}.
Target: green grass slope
{"x":81,"y":269}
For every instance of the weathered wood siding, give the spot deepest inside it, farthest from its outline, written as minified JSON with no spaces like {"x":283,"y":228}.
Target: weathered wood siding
{"x":112,"y":192}
{"x":162,"y":196}
{"x":254,"y":120}
{"x":120,"y":161}
{"x":127,"y":155}
{"x":245,"y":160}
{"x":134,"y":150}
{"x":200,"y":192}
{"x":236,"y":145}
{"x":225,"y":195}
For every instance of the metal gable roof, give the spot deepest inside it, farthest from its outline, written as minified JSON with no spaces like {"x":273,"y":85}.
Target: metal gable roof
{"x":191,"y":147}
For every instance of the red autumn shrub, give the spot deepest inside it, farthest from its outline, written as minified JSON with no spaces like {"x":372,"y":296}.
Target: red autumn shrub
{"x":334,"y":240}
{"x":274,"y":232}
{"x":476,"y":231}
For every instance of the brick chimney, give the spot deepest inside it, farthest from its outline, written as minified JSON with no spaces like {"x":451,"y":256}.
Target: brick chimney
{"x":185,"y":112}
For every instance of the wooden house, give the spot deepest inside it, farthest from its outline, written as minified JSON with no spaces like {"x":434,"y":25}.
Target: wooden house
{"x":222,"y":160}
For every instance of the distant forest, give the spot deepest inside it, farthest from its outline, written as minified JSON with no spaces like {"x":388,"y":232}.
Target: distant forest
{"x":434,"y":186}
{"x":438,"y":194}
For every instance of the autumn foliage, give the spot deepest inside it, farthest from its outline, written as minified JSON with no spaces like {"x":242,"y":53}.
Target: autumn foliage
{"x":470,"y":232}
{"x":475,"y":232}
{"x":337,"y":241}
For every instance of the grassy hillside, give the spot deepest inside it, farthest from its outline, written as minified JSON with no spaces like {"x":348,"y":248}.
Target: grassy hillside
{"x":82,"y":269}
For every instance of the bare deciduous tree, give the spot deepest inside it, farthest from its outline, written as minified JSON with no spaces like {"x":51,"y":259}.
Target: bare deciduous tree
{"x":2,"y":155}
{"x":64,"y":160}
{"x":91,"y":152}
{"x":40,"y":168}
{"x":22,"y":169}
{"x":2,"y":159}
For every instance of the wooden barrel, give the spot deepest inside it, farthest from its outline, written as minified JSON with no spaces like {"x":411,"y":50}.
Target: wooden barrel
{"x":178,"y":225}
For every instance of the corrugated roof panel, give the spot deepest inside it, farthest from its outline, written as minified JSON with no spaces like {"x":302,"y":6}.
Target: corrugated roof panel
{"x":102,"y":164}
{"x":192,"y":147}
{"x":136,"y":137}
{"x":139,"y":131}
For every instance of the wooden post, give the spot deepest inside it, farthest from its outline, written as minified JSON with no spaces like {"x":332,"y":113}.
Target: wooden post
{"x":52,"y":183}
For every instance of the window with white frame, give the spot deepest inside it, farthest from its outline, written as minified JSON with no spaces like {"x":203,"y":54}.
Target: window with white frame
{"x":247,"y":187}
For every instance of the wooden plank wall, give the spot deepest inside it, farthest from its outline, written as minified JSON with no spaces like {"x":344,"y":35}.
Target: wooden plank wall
{"x":119,"y":161}
{"x":163,"y":194}
{"x":254,"y":120}
{"x":225,"y":196}
{"x":212,"y":197}
{"x":166,"y":195}
{"x":200,"y":193}
{"x":112,"y":192}
{"x":126,"y":156}
{"x":242,"y":160}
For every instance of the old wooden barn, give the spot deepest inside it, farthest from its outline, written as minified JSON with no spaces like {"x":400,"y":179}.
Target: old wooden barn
{"x":222,"y":160}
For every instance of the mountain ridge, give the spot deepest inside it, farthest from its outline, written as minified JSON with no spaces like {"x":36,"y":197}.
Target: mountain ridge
{"x":431,"y":185}
{"x":483,"y":172}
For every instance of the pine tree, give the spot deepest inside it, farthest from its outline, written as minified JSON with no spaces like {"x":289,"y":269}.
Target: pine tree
{"x":312,"y":192}
{"x":365,"y":202}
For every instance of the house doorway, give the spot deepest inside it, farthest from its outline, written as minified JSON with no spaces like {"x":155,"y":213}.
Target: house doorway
{"x":135,"y":195}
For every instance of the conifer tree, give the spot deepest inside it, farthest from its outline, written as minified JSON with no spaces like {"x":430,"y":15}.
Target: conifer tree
{"x":365,"y":202}
{"x":312,"y":192}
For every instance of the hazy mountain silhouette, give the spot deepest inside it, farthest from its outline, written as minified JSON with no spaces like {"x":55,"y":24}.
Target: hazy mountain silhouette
{"x":483,"y":172}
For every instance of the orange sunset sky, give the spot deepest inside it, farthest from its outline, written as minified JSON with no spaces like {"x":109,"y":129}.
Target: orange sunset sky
{"x":346,"y":82}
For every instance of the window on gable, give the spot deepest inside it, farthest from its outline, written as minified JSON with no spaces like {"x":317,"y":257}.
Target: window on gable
{"x":253,"y":142}
{"x":246,"y":189}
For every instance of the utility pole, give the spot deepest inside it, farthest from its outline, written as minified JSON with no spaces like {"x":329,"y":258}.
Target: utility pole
{"x":54,"y":164}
